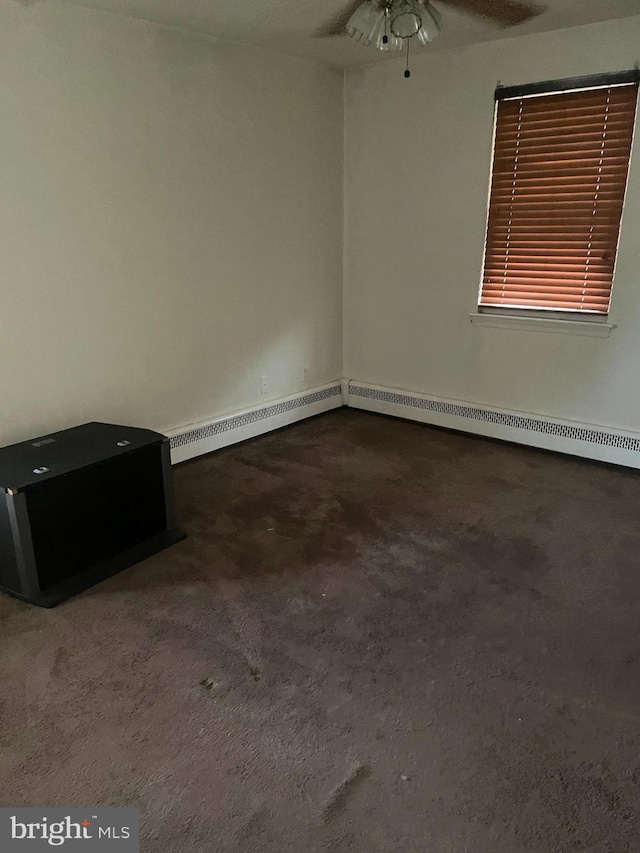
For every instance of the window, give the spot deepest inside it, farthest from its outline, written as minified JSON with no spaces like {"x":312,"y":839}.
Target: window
{"x":560,"y":165}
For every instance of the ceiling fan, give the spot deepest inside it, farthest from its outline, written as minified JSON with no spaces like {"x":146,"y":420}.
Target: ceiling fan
{"x":390,"y":24}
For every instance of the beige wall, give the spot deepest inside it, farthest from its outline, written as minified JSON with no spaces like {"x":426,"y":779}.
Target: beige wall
{"x":171,"y":226}
{"x":416,"y":179}
{"x":171,"y":222}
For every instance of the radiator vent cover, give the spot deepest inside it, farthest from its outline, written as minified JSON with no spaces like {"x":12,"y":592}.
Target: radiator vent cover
{"x":577,"y":433}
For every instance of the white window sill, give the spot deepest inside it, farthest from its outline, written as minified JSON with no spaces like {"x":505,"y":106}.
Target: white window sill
{"x":542,"y":324}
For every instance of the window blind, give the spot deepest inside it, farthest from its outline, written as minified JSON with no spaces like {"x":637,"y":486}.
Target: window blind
{"x":560,"y":168}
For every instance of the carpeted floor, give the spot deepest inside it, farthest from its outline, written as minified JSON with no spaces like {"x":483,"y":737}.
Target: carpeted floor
{"x":377,"y":637}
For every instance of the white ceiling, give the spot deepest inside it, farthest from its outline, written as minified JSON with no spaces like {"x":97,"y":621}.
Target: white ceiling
{"x":290,"y":26}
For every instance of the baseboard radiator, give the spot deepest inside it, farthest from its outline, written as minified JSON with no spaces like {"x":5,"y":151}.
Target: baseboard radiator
{"x":591,"y":441}
{"x":205,"y":436}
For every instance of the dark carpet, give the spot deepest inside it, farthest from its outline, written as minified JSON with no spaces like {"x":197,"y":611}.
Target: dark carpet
{"x":377,"y":637}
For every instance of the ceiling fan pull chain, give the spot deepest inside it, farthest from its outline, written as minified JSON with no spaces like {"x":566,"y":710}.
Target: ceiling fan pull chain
{"x":407,"y":73}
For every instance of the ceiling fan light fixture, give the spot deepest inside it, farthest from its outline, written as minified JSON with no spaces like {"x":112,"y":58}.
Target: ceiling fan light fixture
{"x":390,"y":25}
{"x":406,"y":18}
{"x":369,"y":24}
{"x":364,"y":22}
{"x":382,"y":37}
{"x":431,"y":24}
{"x":385,"y":24}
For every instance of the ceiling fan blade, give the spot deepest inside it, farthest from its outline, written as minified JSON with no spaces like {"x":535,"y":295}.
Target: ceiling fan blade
{"x":507,"y":13}
{"x":336,"y":27}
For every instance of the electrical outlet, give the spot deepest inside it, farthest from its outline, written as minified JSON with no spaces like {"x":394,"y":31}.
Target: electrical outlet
{"x":264,"y":385}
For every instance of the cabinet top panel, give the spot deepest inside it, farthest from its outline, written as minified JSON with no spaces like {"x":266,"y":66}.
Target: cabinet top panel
{"x":30,"y":462}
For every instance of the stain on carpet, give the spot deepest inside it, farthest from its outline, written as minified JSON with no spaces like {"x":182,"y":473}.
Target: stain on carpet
{"x":377,"y":637}
{"x":340,"y":796}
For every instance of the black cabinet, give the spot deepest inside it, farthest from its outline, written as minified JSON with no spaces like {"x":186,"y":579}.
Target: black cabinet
{"x":80,"y":505}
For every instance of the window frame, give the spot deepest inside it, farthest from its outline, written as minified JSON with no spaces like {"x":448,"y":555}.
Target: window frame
{"x":535,"y":317}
